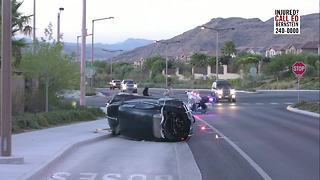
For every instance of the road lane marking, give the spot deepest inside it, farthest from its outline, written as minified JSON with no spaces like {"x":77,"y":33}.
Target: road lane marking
{"x":259,"y":103}
{"x":108,"y":176}
{"x":288,"y":103}
{"x":274,"y":103}
{"x":245,"y":103}
{"x":260,"y":171}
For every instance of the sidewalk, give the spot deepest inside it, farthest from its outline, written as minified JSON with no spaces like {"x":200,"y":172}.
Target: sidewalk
{"x":47,"y":148}
{"x":40,"y":148}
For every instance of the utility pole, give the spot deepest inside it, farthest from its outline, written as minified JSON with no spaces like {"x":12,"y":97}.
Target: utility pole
{"x":6,"y":94}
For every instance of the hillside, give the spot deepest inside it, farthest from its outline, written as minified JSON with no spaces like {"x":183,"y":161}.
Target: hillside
{"x":247,"y":33}
{"x":99,"y":54}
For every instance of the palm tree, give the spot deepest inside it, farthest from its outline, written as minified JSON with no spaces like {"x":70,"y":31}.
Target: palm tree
{"x":20,"y":24}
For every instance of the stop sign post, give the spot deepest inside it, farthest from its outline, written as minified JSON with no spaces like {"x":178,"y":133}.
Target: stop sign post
{"x":299,"y":68}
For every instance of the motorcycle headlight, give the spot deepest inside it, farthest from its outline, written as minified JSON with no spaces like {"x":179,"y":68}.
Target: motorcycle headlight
{"x":124,"y":86}
{"x":135,"y":85}
{"x":232,"y":91}
{"x":220,"y":91}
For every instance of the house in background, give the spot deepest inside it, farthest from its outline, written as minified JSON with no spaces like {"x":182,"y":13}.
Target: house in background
{"x":138,"y":63}
{"x":294,"y":48}
{"x":257,"y":50}
{"x":311,"y":47}
{"x":276,"y":50}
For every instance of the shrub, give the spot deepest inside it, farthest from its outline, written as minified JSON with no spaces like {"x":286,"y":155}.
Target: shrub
{"x":42,"y":120}
{"x":47,"y":119}
{"x":31,"y":121}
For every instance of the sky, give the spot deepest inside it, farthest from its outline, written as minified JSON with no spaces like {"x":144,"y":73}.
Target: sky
{"x":150,"y":19}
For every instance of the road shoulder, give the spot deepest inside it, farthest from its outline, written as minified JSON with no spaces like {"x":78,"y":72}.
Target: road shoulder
{"x":299,"y":111}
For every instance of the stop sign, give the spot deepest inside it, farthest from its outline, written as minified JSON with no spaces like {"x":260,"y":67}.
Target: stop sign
{"x":299,"y":68}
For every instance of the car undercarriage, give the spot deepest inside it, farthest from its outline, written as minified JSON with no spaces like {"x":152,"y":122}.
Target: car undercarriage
{"x":149,"y":118}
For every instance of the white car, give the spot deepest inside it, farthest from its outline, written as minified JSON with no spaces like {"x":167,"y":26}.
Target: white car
{"x":222,"y":89}
{"x":115,"y":84}
{"x":128,"y":85}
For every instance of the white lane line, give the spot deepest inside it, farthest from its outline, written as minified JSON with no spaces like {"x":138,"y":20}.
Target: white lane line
{"x":288,"y":103}
{"x":245,"y":103}
{"x":259,"y":103}
{"x":260,"y":171}
{"x":274,"y":103}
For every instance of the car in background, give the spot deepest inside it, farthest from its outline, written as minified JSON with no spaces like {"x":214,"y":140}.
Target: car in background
{"x":128,"y":85}
{"x":115,"y":84}
{"x":222,"y":89}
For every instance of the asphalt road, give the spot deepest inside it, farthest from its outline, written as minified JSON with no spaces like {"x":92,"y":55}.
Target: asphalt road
{"x":254,"y":138}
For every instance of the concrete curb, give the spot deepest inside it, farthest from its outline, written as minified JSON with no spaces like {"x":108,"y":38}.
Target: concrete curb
{"x":286,"y":90}
{"x":296,"y":110}
{"x":100,"y":94}
{"x":38,"y":171}
{"x":253,"y":92}
{"x":249,"y":92}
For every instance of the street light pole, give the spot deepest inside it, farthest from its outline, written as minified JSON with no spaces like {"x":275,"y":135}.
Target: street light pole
{"x":92,"y":40}
{"x":119,"y":50}
{"x":58,"y":24}
{"x":217,"y":54}
{"x":217,"y":44}
{"x":167,"y":66}
{"x":34,"y":21}
{"x":83,"y":56}
{"x":78,"y":49}
{"x":166,"y":51}
{"x":92,"y":43}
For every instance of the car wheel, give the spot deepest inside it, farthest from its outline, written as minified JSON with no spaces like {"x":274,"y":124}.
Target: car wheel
{"x":174,"y":127}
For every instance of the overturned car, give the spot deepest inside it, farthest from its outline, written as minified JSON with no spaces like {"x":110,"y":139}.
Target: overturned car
{"x":149,"y":118}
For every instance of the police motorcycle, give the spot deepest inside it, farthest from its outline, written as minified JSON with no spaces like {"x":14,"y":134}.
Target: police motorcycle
{"x":197,"y":103}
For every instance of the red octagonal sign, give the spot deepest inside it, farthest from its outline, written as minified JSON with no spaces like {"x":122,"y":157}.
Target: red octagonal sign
{"x":299,"y":68}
